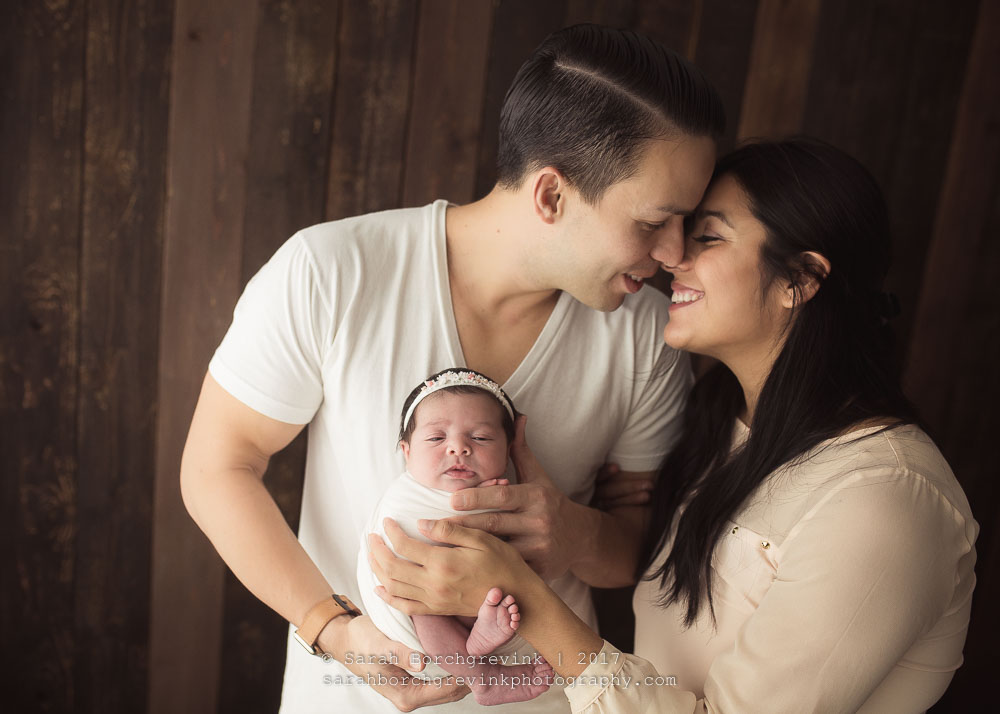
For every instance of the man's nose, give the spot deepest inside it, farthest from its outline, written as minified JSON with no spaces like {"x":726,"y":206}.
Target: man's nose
{"x":669,"y":247}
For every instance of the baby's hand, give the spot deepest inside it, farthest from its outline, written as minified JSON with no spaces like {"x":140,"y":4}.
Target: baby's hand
{"x":493,"y":482}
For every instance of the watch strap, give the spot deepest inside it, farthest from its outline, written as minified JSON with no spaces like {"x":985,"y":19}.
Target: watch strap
{"x":319,"y":616}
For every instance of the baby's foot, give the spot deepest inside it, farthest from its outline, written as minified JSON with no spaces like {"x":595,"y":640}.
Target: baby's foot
{"x":495,"y":624}
{"x":501,"y":685}
{"x":543,"y":670}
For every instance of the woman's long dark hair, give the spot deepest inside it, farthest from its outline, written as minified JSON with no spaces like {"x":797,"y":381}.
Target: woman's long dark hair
{"x":836,"y":368}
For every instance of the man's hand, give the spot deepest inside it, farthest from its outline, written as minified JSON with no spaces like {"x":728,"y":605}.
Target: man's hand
{"x":613,"y":492}
{"x":538,"y":519}
{"x":368,"y":653}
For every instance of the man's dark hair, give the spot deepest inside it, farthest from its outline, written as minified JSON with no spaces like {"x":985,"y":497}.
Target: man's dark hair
{"x":589,"y":97}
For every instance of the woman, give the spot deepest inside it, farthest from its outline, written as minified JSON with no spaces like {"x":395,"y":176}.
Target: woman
{"x":809,"y":549}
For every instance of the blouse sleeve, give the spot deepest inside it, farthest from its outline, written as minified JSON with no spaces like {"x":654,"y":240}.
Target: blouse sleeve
{"x":618,"y":683}
{"x":864,"y":573}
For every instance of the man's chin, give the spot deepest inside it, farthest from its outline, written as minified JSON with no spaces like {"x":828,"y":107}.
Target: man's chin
{"x":606,"y":302}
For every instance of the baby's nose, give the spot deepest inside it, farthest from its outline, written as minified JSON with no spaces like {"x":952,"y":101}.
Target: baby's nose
{"x":459,"y":446}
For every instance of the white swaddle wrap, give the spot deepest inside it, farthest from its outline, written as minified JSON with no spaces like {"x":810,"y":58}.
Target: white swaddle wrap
{"x":406,"y":501}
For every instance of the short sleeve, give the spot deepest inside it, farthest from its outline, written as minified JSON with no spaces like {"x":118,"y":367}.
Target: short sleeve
{"x":656,"y":416}
{"x":272,"y":355}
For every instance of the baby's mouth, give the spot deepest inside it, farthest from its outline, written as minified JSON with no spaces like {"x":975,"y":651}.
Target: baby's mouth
{"x":461,"y":472}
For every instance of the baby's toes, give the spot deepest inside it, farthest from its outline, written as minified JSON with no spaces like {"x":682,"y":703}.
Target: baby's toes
{"x":544,"y":671}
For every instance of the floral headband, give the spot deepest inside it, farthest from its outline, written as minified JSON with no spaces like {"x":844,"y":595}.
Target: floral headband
{"x":458,"y":378}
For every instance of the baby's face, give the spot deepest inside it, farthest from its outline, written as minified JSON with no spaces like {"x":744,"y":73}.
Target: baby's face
{"x":458,"y":441}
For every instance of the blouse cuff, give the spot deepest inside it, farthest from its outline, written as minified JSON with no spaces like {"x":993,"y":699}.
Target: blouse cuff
{"x":618,"y":683}
{"x":602,"y":672}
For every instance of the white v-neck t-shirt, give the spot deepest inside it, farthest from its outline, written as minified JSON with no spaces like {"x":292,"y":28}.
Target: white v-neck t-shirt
{"x":348,"y":316}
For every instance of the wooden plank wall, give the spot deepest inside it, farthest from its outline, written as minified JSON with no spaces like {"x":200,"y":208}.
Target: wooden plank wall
{"x":156,"y":152}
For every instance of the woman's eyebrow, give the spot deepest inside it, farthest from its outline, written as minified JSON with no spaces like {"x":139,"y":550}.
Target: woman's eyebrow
{"x":715,"y":214}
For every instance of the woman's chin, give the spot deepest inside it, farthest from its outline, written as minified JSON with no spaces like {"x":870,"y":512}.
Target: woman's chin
{"x":675,"y":337}
{"x":682,"y":339}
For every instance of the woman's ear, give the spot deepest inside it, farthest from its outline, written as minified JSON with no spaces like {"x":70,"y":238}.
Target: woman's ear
{"x":813,"y":269}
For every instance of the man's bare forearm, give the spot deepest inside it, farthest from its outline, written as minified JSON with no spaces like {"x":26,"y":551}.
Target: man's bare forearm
{"x":225,"y":457}
{"x":242,"y":521}
{"x":608,"y":545}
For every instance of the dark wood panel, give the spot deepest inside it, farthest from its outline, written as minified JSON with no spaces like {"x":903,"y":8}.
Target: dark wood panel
{"x":889,"y":98}
{"x":777,"y":78}
{"x":955,"y":348}
{"x":858,"y":78}
{"x":84,"y":160}
{"x":937,"y":60}
{"x":721,"y":49}
{"x":41,"y":80}
{"x":127,"y":87}
{"x":672,"y":23}
{"x":208,"y":135}
{"x":285,"y":190}
{"x":293,"y":80}
{"x":372,"y":98}
{"x":614,"y":13}
{"x":446,"y":107}
{"x":519,"y":26}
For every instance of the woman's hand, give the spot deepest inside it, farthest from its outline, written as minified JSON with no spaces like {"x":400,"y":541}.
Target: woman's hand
{"x":435,"y":580}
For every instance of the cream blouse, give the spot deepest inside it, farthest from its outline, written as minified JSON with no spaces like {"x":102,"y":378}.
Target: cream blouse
{"x":844,"y":585}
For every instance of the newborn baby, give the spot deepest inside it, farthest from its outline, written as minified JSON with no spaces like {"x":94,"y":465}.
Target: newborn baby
{"x":455,"y":433}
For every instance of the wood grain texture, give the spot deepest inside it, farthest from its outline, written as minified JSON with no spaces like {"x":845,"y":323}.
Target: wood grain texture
{"x":125,"y":145}
{"x":614,"y":13}
{"x":371,"y":103}
{"x":777,"y":78}
{"x":855,"y":78}
{"x":952,"y":372}
{"x":41,"y":124}
{"x":289,"y":134}
{"x":208,"y":135}
{"x":446,"y":105}
{"x":721,"y":49}
{"x":672,"y":23}
{"x":933,"y":80}
{"x":888,"y":98}
{"x":132,"y":212}
{"x":512,"y":42}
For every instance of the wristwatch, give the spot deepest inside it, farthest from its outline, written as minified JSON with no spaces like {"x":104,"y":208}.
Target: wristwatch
{"x":318,"y":617}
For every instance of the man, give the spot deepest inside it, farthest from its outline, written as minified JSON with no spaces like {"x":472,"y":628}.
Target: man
{"x":606,"y":144}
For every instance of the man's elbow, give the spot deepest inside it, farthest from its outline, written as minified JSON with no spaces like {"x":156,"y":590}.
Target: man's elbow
{"x":190,"y":483}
